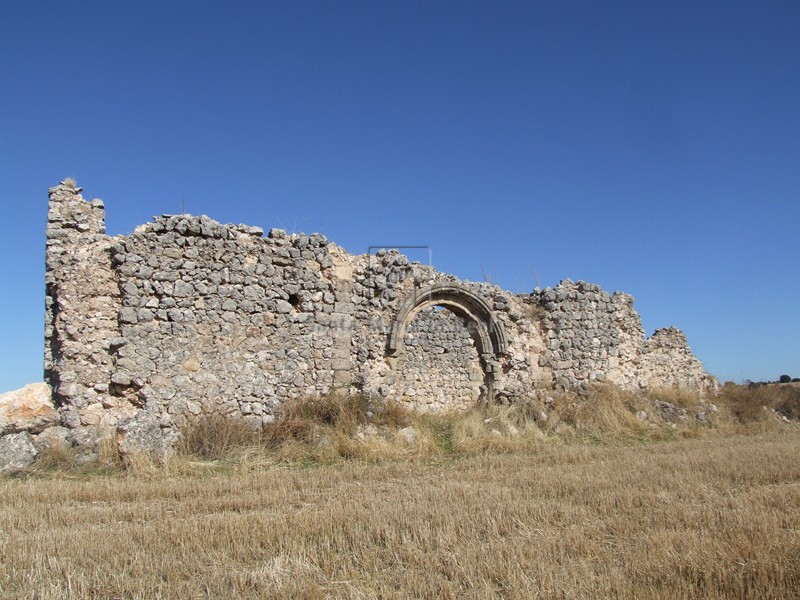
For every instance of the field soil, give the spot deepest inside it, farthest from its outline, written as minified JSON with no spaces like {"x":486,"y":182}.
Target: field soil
{"x":711,"y":517}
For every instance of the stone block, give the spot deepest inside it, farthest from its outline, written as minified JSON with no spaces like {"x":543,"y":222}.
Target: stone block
{"x":344,"y":308}
{"x":17,"y":452}
{"x":341,"y":364}
{"x":128,"y":315}
{"x":143,"y":435}
{"x":52,"y":438}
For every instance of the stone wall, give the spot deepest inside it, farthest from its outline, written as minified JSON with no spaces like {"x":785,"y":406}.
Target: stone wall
{"x":439,"y":349}
{"x":596,"y":336}
{"x":81,"y":304}
{"x":219,"y":319}
{"x":667,"y":361}
{"x":187,"y":316}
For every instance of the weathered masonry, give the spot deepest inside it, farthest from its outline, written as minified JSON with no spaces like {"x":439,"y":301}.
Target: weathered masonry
{"x":187,"y":316}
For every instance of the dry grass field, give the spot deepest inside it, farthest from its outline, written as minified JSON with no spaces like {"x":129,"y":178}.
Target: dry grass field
{"x":469,"y":511}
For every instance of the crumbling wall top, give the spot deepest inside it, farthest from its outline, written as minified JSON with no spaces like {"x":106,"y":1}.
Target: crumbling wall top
{"x":70,"y":216}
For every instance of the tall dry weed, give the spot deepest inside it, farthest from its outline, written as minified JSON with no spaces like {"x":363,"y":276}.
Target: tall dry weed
{"x":684,"y":398}
{"x":606,"y":410}
{"x":757,"y":403}
{"x":217,"y":436}
{"x":497,"y":430}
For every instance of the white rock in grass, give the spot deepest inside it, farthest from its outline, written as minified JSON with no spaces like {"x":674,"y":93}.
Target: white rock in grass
{"x":408,"y":435}
{"x":16,"y":452}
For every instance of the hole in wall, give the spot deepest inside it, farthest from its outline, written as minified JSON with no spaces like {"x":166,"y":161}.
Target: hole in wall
{"x":295,"y":300}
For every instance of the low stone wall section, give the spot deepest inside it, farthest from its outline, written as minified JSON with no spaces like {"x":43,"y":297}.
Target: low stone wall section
{"x":596,"y":336}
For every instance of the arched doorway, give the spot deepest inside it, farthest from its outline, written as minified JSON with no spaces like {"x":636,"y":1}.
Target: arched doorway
{"x":473,"y":312}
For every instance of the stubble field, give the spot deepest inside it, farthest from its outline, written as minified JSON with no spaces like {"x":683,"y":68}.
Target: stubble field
{"x":710,"y":517}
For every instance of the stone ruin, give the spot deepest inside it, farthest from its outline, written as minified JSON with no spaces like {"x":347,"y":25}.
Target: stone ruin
{"x":187,"y":317}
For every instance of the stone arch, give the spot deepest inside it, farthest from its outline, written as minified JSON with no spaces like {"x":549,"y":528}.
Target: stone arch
{"x":486,"y":331}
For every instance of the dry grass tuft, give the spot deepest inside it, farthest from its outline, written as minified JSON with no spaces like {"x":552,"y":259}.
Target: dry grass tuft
{"x":757,"y":403}
{"x":327,"y":428}
{"x":306,"y":419}
{"x":498,"y":430}
{"x":216,"y":436}
{"x":107,"y":453}
{"x":142,"y":465}
{"x":606,"y":411}
{"x":56,"y":457}
{"x":102,"y":459}
{"x":688,"y":399}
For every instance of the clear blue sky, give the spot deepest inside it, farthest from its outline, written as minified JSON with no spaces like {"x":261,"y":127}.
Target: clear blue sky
{"x":650,"y":147}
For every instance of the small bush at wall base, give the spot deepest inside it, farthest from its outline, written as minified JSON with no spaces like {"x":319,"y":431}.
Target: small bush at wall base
{"x":102,"y":458}
{"x":301,"y":419}
{"x":305,"y":419}
{"x":217,"y":436}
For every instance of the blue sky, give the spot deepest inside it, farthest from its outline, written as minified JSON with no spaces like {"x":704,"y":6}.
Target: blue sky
{"x":650,"y":147}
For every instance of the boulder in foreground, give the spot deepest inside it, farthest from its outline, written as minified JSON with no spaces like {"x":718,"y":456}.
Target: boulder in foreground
{"x":27,"y":409}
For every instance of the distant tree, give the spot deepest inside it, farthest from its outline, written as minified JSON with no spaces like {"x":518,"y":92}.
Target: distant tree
{"x":784,"y":379}
{"x":796,"y":380}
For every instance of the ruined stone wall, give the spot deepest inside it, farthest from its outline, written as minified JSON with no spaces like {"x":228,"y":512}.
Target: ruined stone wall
{"x":668,"y":362}
{"x":589,"y":334}
{"x":217,"y":318}
{"x":594,"y":336}
{"x":381,"y":283}
{"x":187,"y":316}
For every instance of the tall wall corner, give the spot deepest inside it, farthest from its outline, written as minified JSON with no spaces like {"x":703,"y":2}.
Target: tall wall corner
{"x":81,"y":298}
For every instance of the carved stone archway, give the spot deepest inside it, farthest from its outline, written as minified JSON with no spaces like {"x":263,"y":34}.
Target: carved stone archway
{"x":486,"y":331}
